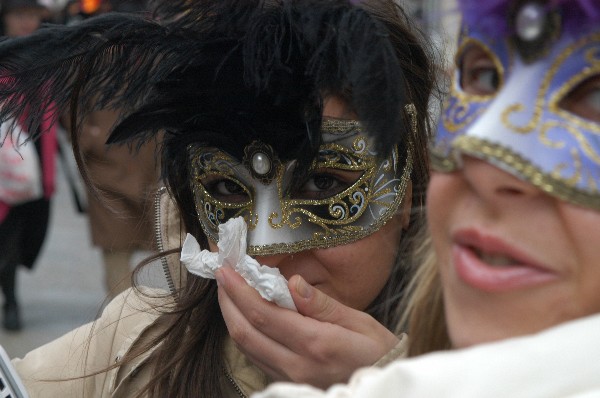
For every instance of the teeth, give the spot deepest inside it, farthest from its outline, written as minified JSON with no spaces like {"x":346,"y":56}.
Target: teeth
{"x":495,"y":259}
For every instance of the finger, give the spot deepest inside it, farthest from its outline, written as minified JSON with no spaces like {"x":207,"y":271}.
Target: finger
{"x":369,"y":338}
{"x":278,"y":362}
{"x":315,"y":304}
{"x":290,"y":346}
{"x":264,"y":351}
{"x":231,"y":281}
{"x":270,"y":366}
{"x":286,"y":327}
{"x":311,"y":302}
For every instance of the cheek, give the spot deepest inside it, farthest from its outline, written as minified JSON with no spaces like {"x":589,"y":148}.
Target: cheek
{"x":442,"y":190}
{"x":357,"y":272}
{"x":442,"y":193}
{"x":589,"y":280}
{"x":583,"y":229}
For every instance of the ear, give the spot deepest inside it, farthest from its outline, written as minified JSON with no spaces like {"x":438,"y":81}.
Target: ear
{"x":406,"y":206}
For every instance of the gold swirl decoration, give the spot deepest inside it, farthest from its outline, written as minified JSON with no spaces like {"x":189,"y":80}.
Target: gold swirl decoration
{"x":542,"y":92}
{"x":546,"y":182}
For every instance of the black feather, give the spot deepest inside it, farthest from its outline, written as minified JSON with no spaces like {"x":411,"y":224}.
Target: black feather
{"x":248,"y":69}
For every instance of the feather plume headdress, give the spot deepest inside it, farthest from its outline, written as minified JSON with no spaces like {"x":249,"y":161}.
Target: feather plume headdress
{"x":215,"y":67}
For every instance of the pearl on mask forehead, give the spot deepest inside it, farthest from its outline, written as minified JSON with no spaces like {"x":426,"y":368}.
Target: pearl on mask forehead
{"x":530,"y":21}
{"x":261,"y":163}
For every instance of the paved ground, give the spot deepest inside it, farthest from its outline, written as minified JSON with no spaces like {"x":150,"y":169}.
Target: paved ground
{"x":65,"y":290}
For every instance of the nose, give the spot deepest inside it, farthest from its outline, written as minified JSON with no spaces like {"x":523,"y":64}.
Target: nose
{"x":273,"y":260}
{"x":494,"y":184}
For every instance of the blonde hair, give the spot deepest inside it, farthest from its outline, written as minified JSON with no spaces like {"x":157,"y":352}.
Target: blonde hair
{"x":423,"y":308}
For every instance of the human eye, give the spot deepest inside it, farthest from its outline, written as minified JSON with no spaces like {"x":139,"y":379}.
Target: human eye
{"x":584,"y":100}
{"x":324,"y":183}
{"x":225,"y":189}
{"x":479,"y":74}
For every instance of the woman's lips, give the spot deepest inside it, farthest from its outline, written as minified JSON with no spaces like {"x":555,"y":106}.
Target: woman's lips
{"x":487,"y":263}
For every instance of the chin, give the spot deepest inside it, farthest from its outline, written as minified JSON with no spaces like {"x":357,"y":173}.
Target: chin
{"x":464,"y":336}
{"x":462,"y":340}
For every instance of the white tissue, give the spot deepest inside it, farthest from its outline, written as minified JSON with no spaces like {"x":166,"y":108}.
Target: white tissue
{"x":268,"y":281}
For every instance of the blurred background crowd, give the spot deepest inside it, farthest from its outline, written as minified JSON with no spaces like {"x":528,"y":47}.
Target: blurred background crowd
{"x":71,"y":11}
{"x":118,"y":216}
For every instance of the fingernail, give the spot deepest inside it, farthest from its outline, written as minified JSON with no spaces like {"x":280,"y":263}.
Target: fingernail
{"x":219,"y":277}
{"x":303,"y":288}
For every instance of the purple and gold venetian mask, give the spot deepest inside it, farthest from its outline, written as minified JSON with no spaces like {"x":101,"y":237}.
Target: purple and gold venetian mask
{"x":521,"y":67}
{"x":350,"y":192}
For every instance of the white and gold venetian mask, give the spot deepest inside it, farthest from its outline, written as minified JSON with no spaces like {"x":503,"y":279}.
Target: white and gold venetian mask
{"x":350,"y":191}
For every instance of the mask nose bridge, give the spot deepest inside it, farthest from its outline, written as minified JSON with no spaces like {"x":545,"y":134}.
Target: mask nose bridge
{"x":518,"y":85}
{"x":494,"y":186}
{"x":267,"y":202}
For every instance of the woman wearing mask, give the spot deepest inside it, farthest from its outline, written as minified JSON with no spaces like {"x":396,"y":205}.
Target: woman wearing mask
{"x":514,"y":215}
{"x":267,"y":109}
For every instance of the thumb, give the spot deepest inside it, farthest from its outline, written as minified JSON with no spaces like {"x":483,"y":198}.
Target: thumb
{"x":313,"y":303}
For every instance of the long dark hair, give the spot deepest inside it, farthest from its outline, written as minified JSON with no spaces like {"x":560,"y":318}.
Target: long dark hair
{"x":190,"y":359}
{"x":223,"y":73}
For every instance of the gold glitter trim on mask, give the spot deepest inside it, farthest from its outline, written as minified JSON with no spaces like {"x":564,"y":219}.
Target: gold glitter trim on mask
{"x":345,"y":234}
{"x":338,"y":205}
{"x":584,"y":145}
{"x":206,"y":163}
{"x":460,"y":52}
{"x":587,"y":71}
{"x":515,"y":164}
{"x":217,"y":211}
{"x":543,"y":91}
{"x":340,"y":126}
{"x":458,"y":104}
{"x":411,"y":111}
{"x":378,"y":190}
{"x":442,"y":162}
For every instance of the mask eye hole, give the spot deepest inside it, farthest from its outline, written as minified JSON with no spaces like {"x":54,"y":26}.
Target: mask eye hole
{"x":326,"y":182}
{"x":225,"y":189}
{"x":584,"y":99}
{"x":479,"y":74}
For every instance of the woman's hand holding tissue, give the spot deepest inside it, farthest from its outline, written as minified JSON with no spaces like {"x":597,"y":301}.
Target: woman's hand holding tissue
{"x":321,"y":344}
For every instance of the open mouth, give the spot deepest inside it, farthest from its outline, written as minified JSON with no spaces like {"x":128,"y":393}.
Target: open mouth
{"x":489,"y":264}
{"x":494,"y":260}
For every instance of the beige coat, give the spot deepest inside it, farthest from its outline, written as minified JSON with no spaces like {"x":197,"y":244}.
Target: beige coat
{"x":129,"y":320}
{"x":56,"y":369}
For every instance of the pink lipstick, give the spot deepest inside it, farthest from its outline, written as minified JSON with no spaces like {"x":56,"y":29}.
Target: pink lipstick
{"x":489,"y":264}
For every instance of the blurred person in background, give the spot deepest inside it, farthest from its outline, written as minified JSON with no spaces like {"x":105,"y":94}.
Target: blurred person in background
{"x":21,"y":17}
{"x":120,"y":213}
{"x":77,"y":10}
{"x":23,"y":226}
